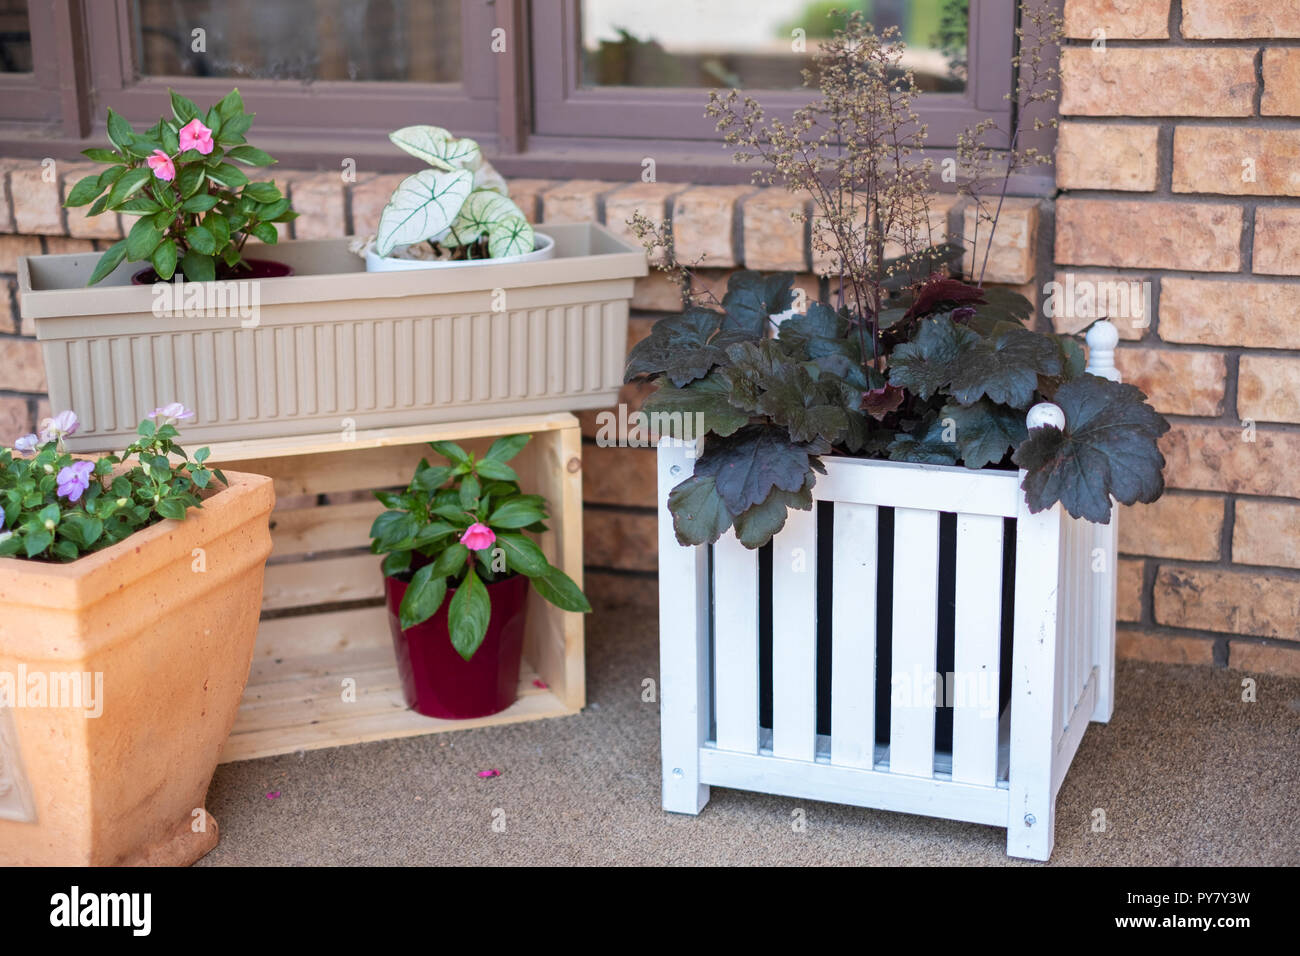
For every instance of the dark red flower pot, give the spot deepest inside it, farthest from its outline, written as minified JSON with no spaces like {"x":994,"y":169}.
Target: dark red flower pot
{"x":257,"y":269}
{"x":436,"y":680}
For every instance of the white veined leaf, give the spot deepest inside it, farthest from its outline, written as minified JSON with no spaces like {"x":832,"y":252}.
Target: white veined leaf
{"x":422,"y":207}
{"x":480,"y":213}
{"x":510,"y":237}
{"x":437,"y":147}
{"x":486,"y":177}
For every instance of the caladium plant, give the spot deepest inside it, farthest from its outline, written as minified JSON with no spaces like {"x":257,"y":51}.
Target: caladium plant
{"x":461,"y":204}
{"x":959,"y":368}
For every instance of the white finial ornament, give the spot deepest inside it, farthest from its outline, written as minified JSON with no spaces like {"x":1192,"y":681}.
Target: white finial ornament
{"x":1102,"y":339}
{"x":1045,"y":413}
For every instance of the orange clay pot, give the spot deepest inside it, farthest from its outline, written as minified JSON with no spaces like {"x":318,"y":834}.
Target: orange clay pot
{"x":168,"y":617}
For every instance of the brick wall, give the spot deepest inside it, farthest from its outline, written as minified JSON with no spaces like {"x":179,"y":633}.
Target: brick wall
{"x":1122,"y":215}
{"x":1179,"y":164}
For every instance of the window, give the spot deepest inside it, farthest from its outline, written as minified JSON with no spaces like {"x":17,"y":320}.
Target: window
{"x":550,"y":88}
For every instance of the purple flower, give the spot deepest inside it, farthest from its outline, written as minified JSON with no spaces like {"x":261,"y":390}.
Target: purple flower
{"x":59,"y":427}
{"x":75,"y":479}
{"x":27,"y":444}
{"x":171,"y":414}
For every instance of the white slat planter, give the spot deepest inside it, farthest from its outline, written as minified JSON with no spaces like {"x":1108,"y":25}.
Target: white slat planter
{"x":1008,"y":753}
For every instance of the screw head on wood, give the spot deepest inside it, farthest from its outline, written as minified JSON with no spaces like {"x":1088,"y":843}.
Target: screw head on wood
{"x":1030,"y":819}
{"x":575,"y":465}
{"x":675,"y":470}
{"x":677,"y":772}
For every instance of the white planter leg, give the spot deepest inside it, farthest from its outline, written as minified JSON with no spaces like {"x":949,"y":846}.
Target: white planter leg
{"x":683,"y":644}
{"x":1102,"y":339}
{"x":1031,"y":819}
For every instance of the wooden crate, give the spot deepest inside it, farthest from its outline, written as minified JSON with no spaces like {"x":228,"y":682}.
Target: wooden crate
{"x":323,"y":619}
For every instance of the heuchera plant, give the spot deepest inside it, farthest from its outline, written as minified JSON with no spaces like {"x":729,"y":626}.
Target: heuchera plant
{"x":196,"y":208}
{"x":461,"y":206}
{"x":907,"y":363}
{"x":57,"y":508}
{"x":458,"y":526}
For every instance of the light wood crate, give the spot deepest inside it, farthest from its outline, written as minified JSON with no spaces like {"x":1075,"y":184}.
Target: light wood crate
{"x":323,"y":617}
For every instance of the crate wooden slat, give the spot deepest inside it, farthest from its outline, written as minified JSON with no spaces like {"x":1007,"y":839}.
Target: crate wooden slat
{"x":305,"y":653}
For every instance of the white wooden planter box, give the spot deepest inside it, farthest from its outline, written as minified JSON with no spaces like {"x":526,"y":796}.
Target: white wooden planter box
{"x":332,"y":347}
{"x":1006,"y":762}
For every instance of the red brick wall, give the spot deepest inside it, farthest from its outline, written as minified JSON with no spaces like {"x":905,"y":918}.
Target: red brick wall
{"x":1179,"y":164}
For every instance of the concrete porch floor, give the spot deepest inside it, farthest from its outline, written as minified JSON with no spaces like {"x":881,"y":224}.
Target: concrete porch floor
{"x":1187,"y":773}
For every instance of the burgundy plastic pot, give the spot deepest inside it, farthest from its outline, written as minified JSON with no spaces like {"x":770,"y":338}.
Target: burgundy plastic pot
{"x":436,"y":680}
{"x":257,"y":269}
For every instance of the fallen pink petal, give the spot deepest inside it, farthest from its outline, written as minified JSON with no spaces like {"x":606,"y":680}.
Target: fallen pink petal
{"x":489,"y":773}
{"x":273,"y":795}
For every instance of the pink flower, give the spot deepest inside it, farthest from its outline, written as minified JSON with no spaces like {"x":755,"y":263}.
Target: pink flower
{"x":162,"y":167}
{"x":194,"y":135}
{"x":59,"y":427}
{"x":171,"y":414}
{"x":75,"y":479}
{"x":28,"y":443}
{"x":477,"y":537}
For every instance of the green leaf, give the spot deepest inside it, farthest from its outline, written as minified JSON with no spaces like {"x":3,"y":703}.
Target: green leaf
{"x":422,"y":207}
{"x":707,"y":397}
{"x":489,"y":468}
{"x":200,"y":203}
{"x":164,"y":260}
{"x":437,"y":147}
{"x":101,"y":155}
{"x":84,"y":529}
{"x":391,"y":528}
{"x":198,"y":267}
{"x":512,"y":236}
{"x":516,"y":513}
{"x":431,"y":479}
{"x":171,"y":508}
{"x":86,"y":191}
{"x":450,"y":450}
{"x":984,"y":432}
{"x":753,"y":298}
{"x":699,"y":516}
{"x":680,"y":347}
{"x":431,"y":533}
{"x":250,"y":156}
{"x":469,"y":492}
{"x":395,"y":564}
{"x":423,"y":597}
{"x":183,"y":109}
{"x":110,"y":260}
{"x":766,"y":379}
{"x":132,"y":181}
{"x":227,"y":175}
{"x":558,"y":588}
{"x":746,"y":466}
{"x":219,"y":227}
{"x":756,"y":527}
{"x":190,"y":178}
{"x":36,"y":542}
{"x":201,"y":240}
{"x":142,"y":239}
{"x":266,"y":232}
{"x":263,"y":192}
{"x":505,"y":448}
{"x":468,"y":615}
{"x":231,"y":105}
{"x":119,"y":130}
{"x":523,"y":554}
{"x":1006,"y":367}
{"x":926,"y":364}
{"x":1108,"y":448}
{"x":935,"y":444}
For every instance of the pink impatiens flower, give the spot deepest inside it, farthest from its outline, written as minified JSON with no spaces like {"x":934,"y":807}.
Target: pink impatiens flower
{"x":162,"y":167}
{"x":194,"y":135}
{"x":478,"y":536}
{"x":59,"y":427}
{"x":75,"y":479}
{"x":27,"y":444}
{"x":171,"y":414}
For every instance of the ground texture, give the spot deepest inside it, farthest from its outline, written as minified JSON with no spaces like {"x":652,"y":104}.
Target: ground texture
{"x":1186,"y":773}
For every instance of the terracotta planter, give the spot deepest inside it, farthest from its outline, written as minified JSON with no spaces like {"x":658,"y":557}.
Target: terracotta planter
{"x":166,"y":620}
{"x":436,"y":680}
{"x":333,"y":346}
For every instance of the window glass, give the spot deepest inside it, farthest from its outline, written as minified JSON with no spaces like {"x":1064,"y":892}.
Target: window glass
{"x":415,"y":41}
{"x":755,"y":44}
{"x":15,"y":37}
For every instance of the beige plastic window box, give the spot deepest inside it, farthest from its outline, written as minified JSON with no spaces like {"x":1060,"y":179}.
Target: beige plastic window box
{"x":333,"y":347}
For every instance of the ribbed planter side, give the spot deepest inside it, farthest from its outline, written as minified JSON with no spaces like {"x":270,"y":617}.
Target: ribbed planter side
{"x":168,"y":619}
{"x":334,"y":347}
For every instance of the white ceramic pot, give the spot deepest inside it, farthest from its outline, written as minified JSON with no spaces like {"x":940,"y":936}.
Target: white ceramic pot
{"x":543,"y":248}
